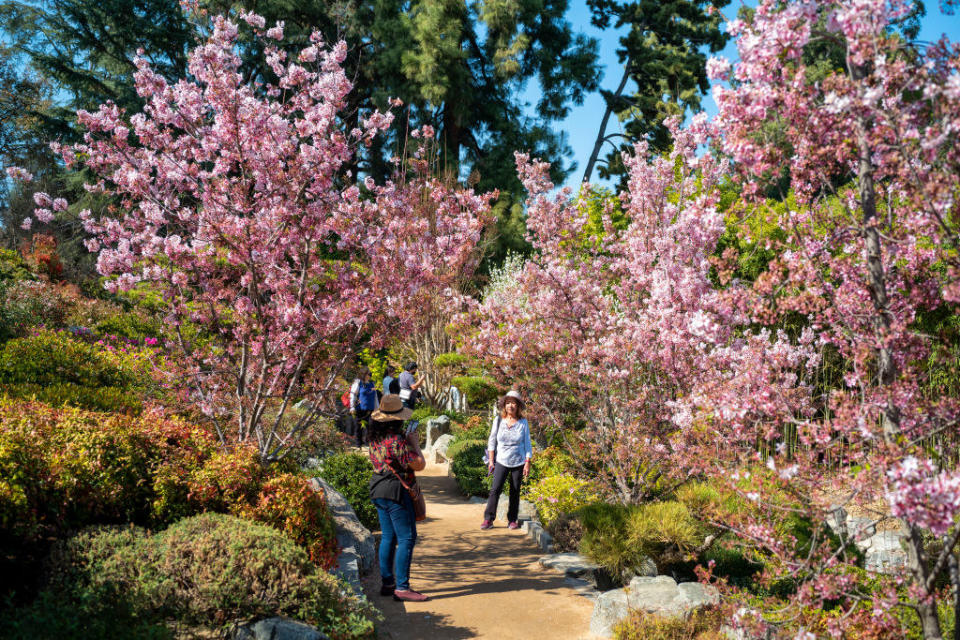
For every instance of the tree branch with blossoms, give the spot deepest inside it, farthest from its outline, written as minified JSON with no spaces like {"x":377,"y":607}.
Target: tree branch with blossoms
{"x":275,"y":263}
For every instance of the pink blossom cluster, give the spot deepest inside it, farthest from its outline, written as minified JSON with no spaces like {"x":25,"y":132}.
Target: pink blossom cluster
{"x":630,"y":324}
{"x":674,"y":368}
{"x":922,"y":495}
{"x":237,"y":202}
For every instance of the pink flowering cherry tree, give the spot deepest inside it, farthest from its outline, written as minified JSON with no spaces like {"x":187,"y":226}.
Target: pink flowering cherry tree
{"x":861,"y":263}
{"x":275,"y":264}
{"x":623,"y":329}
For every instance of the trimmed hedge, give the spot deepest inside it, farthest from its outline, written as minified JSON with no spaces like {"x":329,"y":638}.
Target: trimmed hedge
{"x":480,"y":392}
{"x":475,"y":428}
{"x":349,"y":473}
{"x":54,"y":367}
{"x":205,"y":572}
{"x":468,"y":467}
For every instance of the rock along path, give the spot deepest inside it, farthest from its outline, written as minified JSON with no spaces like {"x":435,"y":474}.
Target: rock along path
{"x":482,"y":584}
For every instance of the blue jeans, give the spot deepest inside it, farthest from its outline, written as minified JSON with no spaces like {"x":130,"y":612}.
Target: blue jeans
{"x":398,"y":526}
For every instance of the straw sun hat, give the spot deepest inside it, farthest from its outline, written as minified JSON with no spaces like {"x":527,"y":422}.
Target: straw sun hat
{"x":391,"y":408}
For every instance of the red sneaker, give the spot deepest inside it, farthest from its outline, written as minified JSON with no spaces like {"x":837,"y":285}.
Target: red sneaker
{"x":409,"y":596}
{"x":486,"y":524}
{"x":513,"y":525}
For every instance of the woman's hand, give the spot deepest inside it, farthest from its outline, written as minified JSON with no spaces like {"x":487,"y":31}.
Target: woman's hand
{"x":526,"y":468}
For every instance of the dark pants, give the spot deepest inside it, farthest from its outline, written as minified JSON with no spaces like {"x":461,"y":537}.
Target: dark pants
{"x":361,"y":425}
{"x":398,"y":527}
{"x":500,"y":475}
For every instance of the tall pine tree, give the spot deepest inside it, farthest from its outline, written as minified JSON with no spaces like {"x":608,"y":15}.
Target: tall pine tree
{"x":663,"y":54}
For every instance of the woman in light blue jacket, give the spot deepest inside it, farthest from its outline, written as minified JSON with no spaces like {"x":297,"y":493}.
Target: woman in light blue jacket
{"x":509,"y":452}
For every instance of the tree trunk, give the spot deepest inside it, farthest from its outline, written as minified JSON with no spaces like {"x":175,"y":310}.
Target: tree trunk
{"x":452,"y":140}
{"x":886,"y":367}
{"x":954,"y":567}
{"x":876,"y":278}
{"x":598,"y":145}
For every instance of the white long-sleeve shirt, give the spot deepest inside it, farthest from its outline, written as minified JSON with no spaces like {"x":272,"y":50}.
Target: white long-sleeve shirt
{"x":511,"y":444}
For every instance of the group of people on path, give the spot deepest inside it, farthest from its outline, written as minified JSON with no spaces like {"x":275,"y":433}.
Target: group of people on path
{"x":363,"y":397}
{"x":396,"y":456}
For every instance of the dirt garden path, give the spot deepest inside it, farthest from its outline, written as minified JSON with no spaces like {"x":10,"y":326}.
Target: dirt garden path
{"x":482,"y":584}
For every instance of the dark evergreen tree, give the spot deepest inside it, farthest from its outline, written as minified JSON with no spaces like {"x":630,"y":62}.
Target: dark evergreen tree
{"x":85,"y":48}
{"x":664,"y":53}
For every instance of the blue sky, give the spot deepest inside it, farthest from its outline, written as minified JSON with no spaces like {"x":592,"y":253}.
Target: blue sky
{"x":582,"y":123}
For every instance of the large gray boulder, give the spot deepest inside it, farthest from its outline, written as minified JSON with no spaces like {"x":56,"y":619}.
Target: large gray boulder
{"x":358,"y":551}
{"x":659,"y":596}
{"x":439,"y":449}
{"x":609,"y":608}
{"x":569,"y":563}
{"x":646,"y":569}
{"x":883,"y":551}
{"x":278,"y":629}
{"x":437,"y":427}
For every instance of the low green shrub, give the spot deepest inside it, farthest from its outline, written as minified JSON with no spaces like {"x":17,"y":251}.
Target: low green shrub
{"x":57,"y":368}
{"x":349,"y":473}
{"x":449,"y":360}
{"x":459,"y":444}
{"x":702,"y":624}
{"x":52,"y":357}
{"x":26,"y":304}
{"x":207,"y":571}
{"x":667,"y":532}
{"x":426,"y":413}
{"x":64,"y":469}
{"x":112,"y":399}
{"x":468,"y":467}
{"x":473,"y":428}
{"x":548,"y":462}
{"x":562,"y":493}
{"x":133,"y":325}
{"x":731,"y":563}
{"x":106,"y":616}
{"x":481,"y":392}
{"x":13,"y":267}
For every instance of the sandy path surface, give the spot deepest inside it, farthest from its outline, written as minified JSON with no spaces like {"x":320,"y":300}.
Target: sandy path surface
{"x":482,"y":584}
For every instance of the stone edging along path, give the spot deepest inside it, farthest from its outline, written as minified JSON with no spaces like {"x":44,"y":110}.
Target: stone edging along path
{"x":483,"y":584}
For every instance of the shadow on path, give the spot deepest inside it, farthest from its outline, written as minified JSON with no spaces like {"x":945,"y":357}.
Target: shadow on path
{"x":483,"y":584}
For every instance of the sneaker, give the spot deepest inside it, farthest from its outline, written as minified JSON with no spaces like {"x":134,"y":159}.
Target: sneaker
{"x":513,"y":525}
{"x":409,"y":596}
{"x":486,"y":524}
{"x":387,"y":589}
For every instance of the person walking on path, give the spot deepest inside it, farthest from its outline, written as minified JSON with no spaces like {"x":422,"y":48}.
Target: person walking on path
{"x":363,"y":400}
{"x":395,"y":457}
{"x":509,"y":452}
{"x":409,"y":385}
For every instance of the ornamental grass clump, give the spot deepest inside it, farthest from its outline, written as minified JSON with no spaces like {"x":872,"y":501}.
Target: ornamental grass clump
{"x":702,"y":624}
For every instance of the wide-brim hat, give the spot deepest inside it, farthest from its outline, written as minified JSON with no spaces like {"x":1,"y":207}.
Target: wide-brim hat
{"x":513,"y":394}
{"x":391,"y":408}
